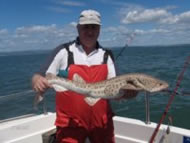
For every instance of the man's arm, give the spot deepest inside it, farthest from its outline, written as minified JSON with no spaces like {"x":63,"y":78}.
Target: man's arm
{"x":39,"y":82}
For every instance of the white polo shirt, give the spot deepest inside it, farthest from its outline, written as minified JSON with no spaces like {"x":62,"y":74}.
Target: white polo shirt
{"x":80,"y":57}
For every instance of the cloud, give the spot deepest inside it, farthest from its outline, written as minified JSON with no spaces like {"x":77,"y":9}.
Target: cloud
{"x":71,"y":3}
{"x":64,"y":6}
{"x":3,"y":31}
{"x":139,"y":26}
{"x":185,"y":16}
{"x":36,"y":29}
{"x":74,"y":24}
{"x":179,"y":18}
{"x":36,"y":37}
{"x":49,"y":36}
{"x":116,"y":36}
{"x":146,"y":15}
{"x":135,"y":14}
{"x":151,"y":31}
{"x":155,"y":26}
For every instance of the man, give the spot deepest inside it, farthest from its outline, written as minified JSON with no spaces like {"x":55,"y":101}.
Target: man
{"x":76,"y":119}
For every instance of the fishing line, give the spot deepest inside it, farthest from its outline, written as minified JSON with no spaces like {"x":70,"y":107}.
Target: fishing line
{"x":178,"y":82}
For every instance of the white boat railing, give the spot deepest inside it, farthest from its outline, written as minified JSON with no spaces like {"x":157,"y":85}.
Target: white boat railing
{"x":16,"y":118}
{"x":147,"y":107}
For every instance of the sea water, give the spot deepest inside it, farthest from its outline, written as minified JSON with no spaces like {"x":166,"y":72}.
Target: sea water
{"x":163,"y":62}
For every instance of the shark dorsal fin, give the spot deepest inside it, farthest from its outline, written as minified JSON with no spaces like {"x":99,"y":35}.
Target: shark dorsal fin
{"x":78,"y":78}
{"x":91,"y":101}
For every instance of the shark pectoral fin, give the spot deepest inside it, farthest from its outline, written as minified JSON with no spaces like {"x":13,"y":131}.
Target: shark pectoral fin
{"x":91,"y":101}
{"x":128,"y":94}
{"x":78,"y":78}
{"x":58,"y":88}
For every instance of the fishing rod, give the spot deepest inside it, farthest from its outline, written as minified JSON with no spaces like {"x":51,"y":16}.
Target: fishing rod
{"x":121,"y":51}
{"x":129,"y":40}
{"x":178,"y":82}
{"x":181,"y":93}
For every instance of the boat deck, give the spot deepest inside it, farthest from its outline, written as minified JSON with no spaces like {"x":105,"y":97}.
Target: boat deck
{"x":29,"y":129}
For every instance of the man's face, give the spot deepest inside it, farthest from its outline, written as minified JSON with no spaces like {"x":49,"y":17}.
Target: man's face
{"x":88,"y":34}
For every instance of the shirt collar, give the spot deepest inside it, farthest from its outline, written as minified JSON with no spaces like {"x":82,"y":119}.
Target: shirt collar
{"x":82,"y":50}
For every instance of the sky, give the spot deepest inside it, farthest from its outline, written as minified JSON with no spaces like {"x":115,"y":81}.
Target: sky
{"x":44,"y":24}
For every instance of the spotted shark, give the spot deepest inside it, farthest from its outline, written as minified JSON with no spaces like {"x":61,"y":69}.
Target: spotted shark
{"x":107,"y":89}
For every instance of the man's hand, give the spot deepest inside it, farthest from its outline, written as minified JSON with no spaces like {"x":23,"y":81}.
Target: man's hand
{"x":39,"y":83}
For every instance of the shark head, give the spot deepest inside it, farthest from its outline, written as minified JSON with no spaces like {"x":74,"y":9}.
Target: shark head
{"x":146,"y":82}
{"x":159,"y":86}
{"x":153,"y":84}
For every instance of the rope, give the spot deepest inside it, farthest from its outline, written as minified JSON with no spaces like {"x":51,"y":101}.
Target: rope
{"x":179,"y":79}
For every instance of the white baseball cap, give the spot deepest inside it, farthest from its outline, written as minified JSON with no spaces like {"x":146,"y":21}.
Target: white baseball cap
{"x":89,"y":17}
